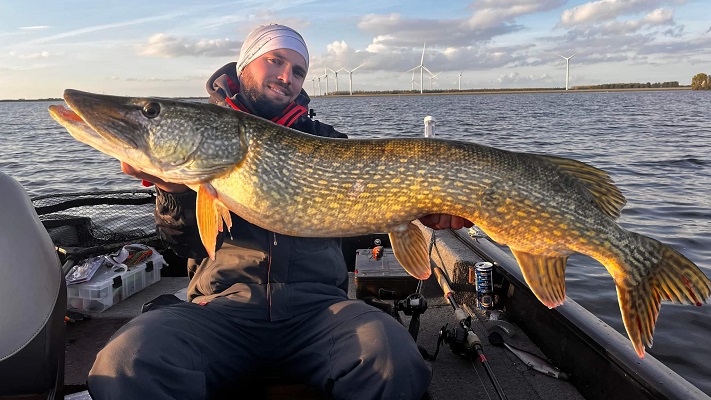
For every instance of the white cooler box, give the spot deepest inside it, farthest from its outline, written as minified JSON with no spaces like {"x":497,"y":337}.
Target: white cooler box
{"x":109,"y":286}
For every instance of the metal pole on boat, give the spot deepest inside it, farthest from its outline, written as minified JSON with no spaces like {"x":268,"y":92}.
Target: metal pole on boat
{"x":429,"y":126}
{"x":473,"y":341}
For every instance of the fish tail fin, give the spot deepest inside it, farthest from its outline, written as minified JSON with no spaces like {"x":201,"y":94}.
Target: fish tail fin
{"x":670,"y":276}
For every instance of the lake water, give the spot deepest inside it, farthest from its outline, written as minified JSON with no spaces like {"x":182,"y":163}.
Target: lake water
{"x":655,"y":145}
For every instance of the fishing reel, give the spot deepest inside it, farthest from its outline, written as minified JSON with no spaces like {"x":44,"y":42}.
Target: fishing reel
{"x":413,"y":305}
{"x":461,"y":339}
{"x":456,"y":338}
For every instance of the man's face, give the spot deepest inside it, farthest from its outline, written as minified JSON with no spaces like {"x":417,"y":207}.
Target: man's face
{"x":272,"y":81}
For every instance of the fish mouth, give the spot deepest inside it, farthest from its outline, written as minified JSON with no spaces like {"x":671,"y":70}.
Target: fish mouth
{"x":103,"y":113}
{"x":75,"y":125}
{"x":62,"y":114}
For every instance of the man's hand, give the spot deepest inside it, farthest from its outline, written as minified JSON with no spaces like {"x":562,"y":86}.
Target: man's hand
{"x":445,"y":221}
{"x":160,"y":184}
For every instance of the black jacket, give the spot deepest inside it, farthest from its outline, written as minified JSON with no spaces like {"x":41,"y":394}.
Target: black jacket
{"x":263,"y":274}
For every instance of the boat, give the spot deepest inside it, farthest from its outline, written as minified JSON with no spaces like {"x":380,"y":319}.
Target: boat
{"x":46,"y":350}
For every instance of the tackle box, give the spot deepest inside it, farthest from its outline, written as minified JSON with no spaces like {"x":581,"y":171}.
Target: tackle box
{"x":114,"y":283}
{"x":379,"y":274}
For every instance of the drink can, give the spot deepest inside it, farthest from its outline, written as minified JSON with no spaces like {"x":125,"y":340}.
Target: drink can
{"x":484,"y":284}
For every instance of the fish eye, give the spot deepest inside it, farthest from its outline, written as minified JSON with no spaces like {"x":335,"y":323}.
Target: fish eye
{"x":151,"y":110}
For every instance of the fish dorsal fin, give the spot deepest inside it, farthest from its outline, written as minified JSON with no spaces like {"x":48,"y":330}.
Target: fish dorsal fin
{"x":210,"y":212}
{"x":410,"y":249}
{"x":606,"y":195}
{"x":545,"y":276}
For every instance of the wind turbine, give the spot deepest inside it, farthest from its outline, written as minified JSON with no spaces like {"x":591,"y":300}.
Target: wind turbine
{"x":567,"y":67}
{"x":313,"y":84}
{"x":335,"y":72}
{"x":325,"y":76}
{"x":433,"y":76}
{"x":460,"y":80}
{"x":350,"y":77}
{"x":421,"y":67}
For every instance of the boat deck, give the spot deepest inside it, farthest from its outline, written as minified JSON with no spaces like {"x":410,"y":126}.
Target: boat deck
{"x":453,"y":375}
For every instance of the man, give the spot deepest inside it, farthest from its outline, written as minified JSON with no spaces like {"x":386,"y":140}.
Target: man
{"x":267,"y":302}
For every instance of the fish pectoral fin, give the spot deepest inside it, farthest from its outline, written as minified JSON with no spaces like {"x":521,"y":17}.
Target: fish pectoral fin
{"x":545,"y":276}
{"x":410,"y":248}
{"x":226,"y":216}
{"x":208,"y":218}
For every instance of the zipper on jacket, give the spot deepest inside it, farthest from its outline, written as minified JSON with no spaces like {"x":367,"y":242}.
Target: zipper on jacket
{"x":269,"y":276}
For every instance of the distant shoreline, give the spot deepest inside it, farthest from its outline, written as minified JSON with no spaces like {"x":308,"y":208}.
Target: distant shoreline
{"x":500,"y":91}
{"x":431,"y":93}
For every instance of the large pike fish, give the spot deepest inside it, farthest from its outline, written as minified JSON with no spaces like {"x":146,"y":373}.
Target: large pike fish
{"x":544,"y":208}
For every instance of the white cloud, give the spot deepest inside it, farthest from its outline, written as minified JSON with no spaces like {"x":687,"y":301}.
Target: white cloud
{"x":606,"y":10}
{"x":162,"y":45}
{"x":659,"y":16}
{"x":97,"y":28}
{"x":35,"y":56}
{"x":379,"y":44}
{"x":338,"y":48}
{"x":481,"y":21}
{"x":492,"y":13}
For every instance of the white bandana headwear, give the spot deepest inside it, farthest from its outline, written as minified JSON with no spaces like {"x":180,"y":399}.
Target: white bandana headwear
{"x":267,"y":38}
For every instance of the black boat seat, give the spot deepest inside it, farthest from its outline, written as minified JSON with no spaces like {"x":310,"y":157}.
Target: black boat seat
{"x":33,"y":301}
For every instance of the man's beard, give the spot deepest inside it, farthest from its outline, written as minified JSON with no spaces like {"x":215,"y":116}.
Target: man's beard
{"x":257,"y":100}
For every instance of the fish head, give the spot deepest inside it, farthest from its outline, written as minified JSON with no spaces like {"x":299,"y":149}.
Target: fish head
{"x":178,"y":141}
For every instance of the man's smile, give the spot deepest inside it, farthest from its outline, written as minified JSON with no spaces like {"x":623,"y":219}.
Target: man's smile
{"x":279,"y":90}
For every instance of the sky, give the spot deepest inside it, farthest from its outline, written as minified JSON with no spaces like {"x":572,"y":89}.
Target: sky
{"x":169,"y":49}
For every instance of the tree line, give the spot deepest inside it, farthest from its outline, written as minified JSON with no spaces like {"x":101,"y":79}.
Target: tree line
{"x":633,"y":85}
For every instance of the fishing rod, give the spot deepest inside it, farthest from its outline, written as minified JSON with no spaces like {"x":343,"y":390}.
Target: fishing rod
{"x":463,"y":341}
